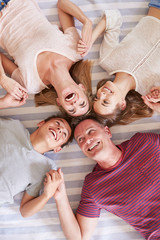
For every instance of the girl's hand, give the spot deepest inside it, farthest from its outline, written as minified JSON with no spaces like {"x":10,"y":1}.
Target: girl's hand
{"x":13,"y":88}
{"x":154,"y":95}
{"x":84,"y":44}
{"x":82,"y":48}
{"x":153,"y":105}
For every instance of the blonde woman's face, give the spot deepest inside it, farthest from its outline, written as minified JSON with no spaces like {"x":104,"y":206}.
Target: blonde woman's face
{"x":74,"y":100}
{"x":107,"y":98}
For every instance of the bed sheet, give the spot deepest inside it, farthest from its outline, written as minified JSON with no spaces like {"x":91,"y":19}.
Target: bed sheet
{"x":45,"y":225}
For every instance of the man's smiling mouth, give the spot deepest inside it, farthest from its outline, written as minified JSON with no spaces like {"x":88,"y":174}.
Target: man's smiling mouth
{"x":93,"y":146}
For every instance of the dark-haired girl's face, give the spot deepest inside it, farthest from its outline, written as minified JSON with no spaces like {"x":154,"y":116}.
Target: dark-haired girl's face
{"x":107,"y":98}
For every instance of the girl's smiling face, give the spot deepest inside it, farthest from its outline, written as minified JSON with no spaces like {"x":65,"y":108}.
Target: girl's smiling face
{"x":107,"y":98}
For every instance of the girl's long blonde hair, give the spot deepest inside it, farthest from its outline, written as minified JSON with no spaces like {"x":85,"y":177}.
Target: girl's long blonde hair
{"x":80,"y":72}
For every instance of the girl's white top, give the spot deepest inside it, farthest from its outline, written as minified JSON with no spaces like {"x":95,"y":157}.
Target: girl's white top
{"x":138,"y":54}
{"x":25,"y":32}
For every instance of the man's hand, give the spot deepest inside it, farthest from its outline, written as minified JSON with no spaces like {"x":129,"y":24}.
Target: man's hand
{"x":13,"y":88}
{"x":61,"y":190}
{"x":9,"y":101}
{"x":51,"y":183}
{"x":154,"y":106}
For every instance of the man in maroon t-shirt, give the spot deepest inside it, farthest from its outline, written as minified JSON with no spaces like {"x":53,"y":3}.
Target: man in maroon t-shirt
{"x":125,"y":181}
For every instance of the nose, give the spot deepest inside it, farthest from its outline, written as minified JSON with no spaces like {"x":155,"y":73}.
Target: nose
{"x":102,"y":95}
{"x":74,"y":102}
{"x":59,"y":129}
{"x":88,"y":140}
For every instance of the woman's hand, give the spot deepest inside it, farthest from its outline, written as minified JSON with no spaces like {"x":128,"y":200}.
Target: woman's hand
{"x":82,"y":48}
{"x":13,"y":88}
{"x":9,"y":101}
{"x":85,"y":44}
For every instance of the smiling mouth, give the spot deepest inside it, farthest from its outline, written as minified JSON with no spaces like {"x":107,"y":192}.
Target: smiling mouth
{"x":93,"y":146}
{"x":107,"y":89}
{"x":70,"y":97}
{"x":54,"y":133}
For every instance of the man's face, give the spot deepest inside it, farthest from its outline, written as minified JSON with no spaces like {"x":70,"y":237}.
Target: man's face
{"x":54,"y":132}
{"x":92,"y":138}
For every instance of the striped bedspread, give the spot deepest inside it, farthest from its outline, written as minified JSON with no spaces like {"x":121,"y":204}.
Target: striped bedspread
{"x":45,"y":225}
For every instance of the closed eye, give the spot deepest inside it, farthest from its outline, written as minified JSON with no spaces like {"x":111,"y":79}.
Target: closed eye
{"x":91,"y":131}
{"x":65,"y":134}
{"x":80,"y":139}
{"x":105,"y":103}
{"x":58,"y":123}
{"x":72,"y":111}
{"x":83,"y":104}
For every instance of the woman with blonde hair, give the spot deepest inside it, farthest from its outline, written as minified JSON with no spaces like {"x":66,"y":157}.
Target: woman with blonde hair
{"x":43,"y":53}
{"x":135,"y":62}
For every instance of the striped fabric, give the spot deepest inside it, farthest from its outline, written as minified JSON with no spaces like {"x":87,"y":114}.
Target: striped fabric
{"x":129,"y":190}
{"x":45,"y":225}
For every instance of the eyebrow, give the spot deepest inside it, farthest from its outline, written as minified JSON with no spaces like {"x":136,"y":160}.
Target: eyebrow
{"x":85,"y":130}
{"x":70,"y":111}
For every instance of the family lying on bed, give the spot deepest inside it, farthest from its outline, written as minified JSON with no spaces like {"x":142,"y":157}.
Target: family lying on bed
{"x":125,"y":180}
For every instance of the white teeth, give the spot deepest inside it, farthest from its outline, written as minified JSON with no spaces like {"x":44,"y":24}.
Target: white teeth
{"x":54,"y":133}
{"x":96,"y":144}
{"x":107,"y":89}
{"x":70,"y":97}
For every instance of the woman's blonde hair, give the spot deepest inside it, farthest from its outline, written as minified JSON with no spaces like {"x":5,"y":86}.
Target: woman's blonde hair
{"x":135,"y":109}
{"x":80,"y":72}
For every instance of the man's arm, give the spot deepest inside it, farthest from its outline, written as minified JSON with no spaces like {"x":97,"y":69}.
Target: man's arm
{"x":74,"y":228}
{"x":31,"y":205}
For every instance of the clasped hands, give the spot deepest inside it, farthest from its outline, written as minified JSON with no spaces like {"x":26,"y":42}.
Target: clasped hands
{"x":53,"y":184}
{"x":85,"y":42}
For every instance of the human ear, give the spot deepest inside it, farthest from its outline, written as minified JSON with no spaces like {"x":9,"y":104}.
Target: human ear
{"x":123,"y":104}
{"x":58,"y":102}
{"x":107,"y":130}
{"x":40,"y":123}
{"x":57,"y":149}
